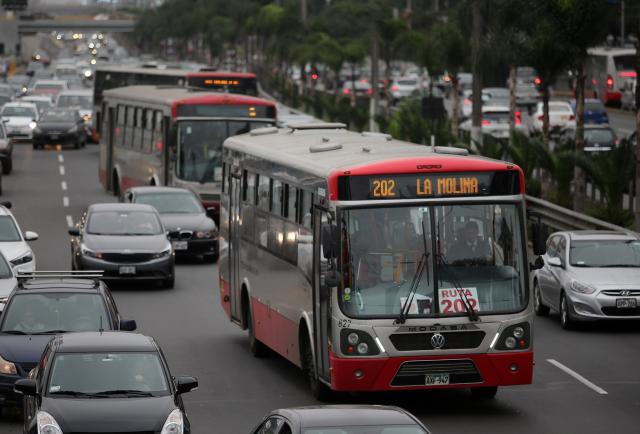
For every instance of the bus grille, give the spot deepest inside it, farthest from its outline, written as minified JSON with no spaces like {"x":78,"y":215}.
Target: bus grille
{"x":461,"y":371}
{"x":127,"y":258}
{"x":422,"y":341}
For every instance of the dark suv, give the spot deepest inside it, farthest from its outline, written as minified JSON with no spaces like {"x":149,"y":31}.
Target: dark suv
{"x":42,"y":306}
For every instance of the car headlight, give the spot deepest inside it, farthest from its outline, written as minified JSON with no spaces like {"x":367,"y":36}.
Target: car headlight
{"x":47,"y":424}
{"x":88,"y":252}
{"x":204,"y":234}
{"x":32,"y":125}
{"x":174,"y":423}
{"x":7,"y":367}
{"x":24,"y":259}
{"x":163,"y":254}
{"x":582,"y":287}
{"x":73,"y":129}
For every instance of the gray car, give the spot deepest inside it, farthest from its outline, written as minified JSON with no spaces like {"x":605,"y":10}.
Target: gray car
{"x":8,"y":281}
{"x":589,"y":275}
{"x":125,"y":241}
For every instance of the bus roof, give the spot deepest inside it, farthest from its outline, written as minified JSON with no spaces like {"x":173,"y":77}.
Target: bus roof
{"x":611,"y":51}
{"x":174,"y":72}
{"x":182,"y":95}
{"x":327,"y":152}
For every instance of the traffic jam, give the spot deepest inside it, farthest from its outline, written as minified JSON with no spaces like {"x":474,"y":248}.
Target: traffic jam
{"x":210,"y":259}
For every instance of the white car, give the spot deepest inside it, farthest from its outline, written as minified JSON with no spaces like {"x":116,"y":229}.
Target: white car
{"x":13,"y":243}
{"x":42,"y":102}
{"x":466,"y":104}
{"x":8,"y":281}
{"x":495,"y":122}
{"x":20,"y":119}
{"x":404,"y":87}
{"x":79,"y":99}
{"x":560,"y":116}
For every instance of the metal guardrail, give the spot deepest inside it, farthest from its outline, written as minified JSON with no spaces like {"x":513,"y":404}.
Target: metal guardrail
{"x":564,"y":219}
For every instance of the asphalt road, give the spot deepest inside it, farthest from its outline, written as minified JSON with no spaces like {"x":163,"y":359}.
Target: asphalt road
{"x":622,"y":121}
{"x":236,"y":390}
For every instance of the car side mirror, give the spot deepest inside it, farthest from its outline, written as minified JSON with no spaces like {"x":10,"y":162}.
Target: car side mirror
{"x":74,"y":232}
{"x":330,"y":241}
{"x":6,"y":204}
{"x":539,"y":238}
{"x":211,"y":212}
{"x":128,"y":325}
{"x":186,"y":384}
{"x":173,"y":234}
{"x":554,"y":261}
{"x":26,"y":386}
{"x":31,"y":236}
{"x":4,"y":121}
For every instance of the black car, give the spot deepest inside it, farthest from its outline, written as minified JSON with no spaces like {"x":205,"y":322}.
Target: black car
{"x":41,"y":307}
{"x":597,"y":138}
{"x":343,"y":419}
{"x":126,"y":241}
{"x":6,"y":151}
{"x":60,"y":126}
{"x":191,"y":230}
{"x":111,"y":382}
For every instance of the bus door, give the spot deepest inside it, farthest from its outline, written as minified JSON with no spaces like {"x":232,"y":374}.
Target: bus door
{"x":235,"y":188}
{"x":108,"y":139}
{"x":321,"y":298}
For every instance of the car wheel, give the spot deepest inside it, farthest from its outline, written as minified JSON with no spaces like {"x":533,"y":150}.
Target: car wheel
{"x":565,"y":316}
{"x":319,"y":390}
{"x":484,"y":392}
{"x":258,"y":349}
{"x":169,"y":282}
{"x":540,"y":308}
{"x":7,"y":167}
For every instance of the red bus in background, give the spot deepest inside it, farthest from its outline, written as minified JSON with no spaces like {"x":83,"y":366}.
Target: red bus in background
{"x":172,"y":135}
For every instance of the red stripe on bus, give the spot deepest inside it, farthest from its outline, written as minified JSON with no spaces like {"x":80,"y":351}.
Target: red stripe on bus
{"x":276,"y":331}
{"x":494,"y":368}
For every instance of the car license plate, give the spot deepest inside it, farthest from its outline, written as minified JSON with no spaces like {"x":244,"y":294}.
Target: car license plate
{"x":436,"y":379}
{"x":626,"y":303}
{"x":127,"y":269}
{"x":180,"y":245}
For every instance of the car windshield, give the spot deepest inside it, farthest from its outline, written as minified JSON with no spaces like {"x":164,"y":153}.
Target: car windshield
{"x":598,"y":135}
{"x":17,"y":111}
{"x":625,"y":62}
{"x":123,"y":223}
{"x":498,"y":117}
{"x":200,"y":147}
{"x":171,"y":203}
{"x":605,"y":253}
{"x":594,"y":106}
{"x":478,"y":249}
{"x":41,"y":104}
{"x":107,"y":374}
{"x":54,"y":86}
{"x":83,"y":101}
{"x":8,"y":229}
{"x":58,"y":116}
{"x":55,"y":312}
{"x":407,"y":82}
{"x":366,"y":429}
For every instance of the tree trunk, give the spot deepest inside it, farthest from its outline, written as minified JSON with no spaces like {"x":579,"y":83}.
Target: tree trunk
{"x":579,"y":179}
{"x":375,"y":74}
{"x":545,"y":114}
{"x":512,"y":100}
{"x":476,"y":70}
{"x":455,"y":105}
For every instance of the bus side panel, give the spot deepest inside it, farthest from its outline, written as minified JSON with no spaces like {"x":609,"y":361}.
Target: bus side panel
{"x":223,"y":259}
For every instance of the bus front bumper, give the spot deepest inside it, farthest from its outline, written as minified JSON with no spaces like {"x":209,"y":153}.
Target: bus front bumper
{"x":403,"y":373}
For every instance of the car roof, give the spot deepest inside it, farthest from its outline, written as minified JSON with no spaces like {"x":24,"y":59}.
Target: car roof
{"x":158,"y":189}
{"x":79,"y":92}
{"x":64,"y":82}
{"x":347,"y":415}
{"x":5,"y":211}
{"x":494,"y":109}
{"x":62,"y":284}
{"x":107,"y":341}
{"x":121,"y":207}
{"x":29,"y":98}
{"x":595,"y":235}
{"x":21,"y":104}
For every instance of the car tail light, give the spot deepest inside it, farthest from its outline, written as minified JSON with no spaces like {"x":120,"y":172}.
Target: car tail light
{"x":346,"y":91}
{"x":627,"y":74}
{"x":485,"y":122}
{"x":369,"y":91}
{"x":395,"y":88}
{"x":466,"y":101}
{"x":518,"y":118}
{"x":609,"y":82}
{"x":541,"y":117}
{"x":572,"y":118}
{"x":363,"y":81}
{"x":537,"y":81}
{"x":314,"y":76}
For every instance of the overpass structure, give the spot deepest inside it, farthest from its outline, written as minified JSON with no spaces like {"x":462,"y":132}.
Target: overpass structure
{"x":83,"y":26}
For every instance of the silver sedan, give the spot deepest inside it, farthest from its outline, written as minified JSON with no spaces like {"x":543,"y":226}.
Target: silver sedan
{"x":589,"y":275}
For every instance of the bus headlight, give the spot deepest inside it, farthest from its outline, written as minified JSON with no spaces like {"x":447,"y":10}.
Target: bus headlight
{"x":357,"y":343}
{"x":353,"y":338}
{"x":515,"y":337}
{"x":363,"y":348}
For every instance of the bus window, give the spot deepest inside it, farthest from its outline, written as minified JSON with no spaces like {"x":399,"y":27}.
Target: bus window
{"x":306,"y":209}
{"x":120,"y":127}
{"x":263,"y":192}
{"x":276,"y":197}
{"x":148,"y":131}
{"x":292,"y":202}
{"x":137,"y":141}
{"x":128,"y":141}
{"x":249,"y":191}
{"x":200,"y":150}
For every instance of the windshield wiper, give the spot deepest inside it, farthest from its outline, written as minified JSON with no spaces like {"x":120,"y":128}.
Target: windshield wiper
{"x":14,"y":332}
{"x":415,"y":282}
{"x":130,"y":392}
{"x":50,"y":332}
{"x":620,"y":266}
{"x":473,"y":315}
{"x":76,"y":393}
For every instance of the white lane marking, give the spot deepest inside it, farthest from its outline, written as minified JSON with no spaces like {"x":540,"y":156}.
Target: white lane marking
{"x":63,"y":185}
{"x":69,"y":221}
{"x":62,"y":170}
{"x":578,"y":377}
{"x":60,"y":158}
{"x":65,"y":201}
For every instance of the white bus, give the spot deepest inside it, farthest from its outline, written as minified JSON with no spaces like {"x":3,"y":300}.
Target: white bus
{"x":607,"y":70}
{"x":375,"y":264}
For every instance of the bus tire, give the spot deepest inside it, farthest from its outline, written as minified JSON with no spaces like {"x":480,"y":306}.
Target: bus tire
{"x":116,"y":184}
{"x":484,"y":393}
{"x":540,"y":308}
{"x":319,"y":390}
{"x":258,"y":349}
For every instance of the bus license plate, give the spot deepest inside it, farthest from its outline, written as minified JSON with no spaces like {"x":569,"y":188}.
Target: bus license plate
{"x":436,"y":379}
{"x":180,"y":245}
{"x":127,"y":269}
{"x":626,"y":303}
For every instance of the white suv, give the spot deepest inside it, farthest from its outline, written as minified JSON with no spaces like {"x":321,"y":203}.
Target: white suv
{"x":13,"y":242}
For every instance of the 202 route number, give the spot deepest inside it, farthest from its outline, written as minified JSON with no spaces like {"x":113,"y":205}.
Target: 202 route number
{"x":384,"y":188}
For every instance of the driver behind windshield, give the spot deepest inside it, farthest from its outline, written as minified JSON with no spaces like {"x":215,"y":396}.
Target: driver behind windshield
{"x":469,"y":247}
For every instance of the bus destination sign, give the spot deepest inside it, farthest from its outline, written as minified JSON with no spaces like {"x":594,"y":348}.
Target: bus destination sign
{"x":430,"y":185}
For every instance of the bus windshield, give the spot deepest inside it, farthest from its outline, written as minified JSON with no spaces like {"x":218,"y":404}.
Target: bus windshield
{"x":474,"y":248}
{"x":200,"y":147}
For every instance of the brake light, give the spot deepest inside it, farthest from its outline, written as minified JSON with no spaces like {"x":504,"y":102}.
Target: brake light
{"x":314,"y":76}
{"x":159,"y":146}
{"x":609,"y":82}
{"x":363,"y":81}
{"x":346,"y":91}
{"x":369,"y":91}
{"x":537,"y":81}
{"x":395,"y":88}
{"x":627,"y":74}
{"x":485,"y":122}
{"x":467,"y":101}
{"x":541,"y":117}
{"x":518,"y":118}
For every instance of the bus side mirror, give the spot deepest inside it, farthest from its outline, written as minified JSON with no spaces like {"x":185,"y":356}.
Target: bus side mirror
{"x":539,"y":238}
{"x":330,"y":241}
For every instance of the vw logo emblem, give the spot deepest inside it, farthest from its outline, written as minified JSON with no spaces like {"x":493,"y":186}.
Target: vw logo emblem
{"x":437,"y":341}
{"x":625,"y":292}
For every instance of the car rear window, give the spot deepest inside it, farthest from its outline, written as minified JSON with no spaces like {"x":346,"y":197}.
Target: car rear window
{"x":594,"y":106}
{"x":560,"y":108}
{"x":598,"y":135}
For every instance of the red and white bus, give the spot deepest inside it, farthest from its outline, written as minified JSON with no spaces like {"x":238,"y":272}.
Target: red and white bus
{"x":607,"y":70}
{"x":111,"y":77}
{"x":375,"y":264}
{"x":171,"y":135}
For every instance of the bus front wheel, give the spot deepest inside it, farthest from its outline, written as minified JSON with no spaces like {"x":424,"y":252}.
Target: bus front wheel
{"x":319,"y":390}
{"x":484,"y":392}
{"x":258,"y":349}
